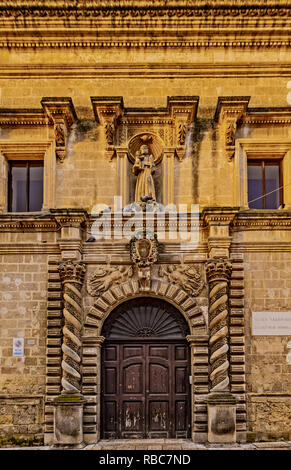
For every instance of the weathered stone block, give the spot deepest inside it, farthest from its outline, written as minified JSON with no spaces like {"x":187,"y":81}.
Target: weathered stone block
{"x":68,"y":420}
{"x":221,"y":418}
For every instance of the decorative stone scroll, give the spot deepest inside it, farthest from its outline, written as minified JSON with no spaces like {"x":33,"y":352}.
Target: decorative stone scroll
{"x":72,"y":276}
{"x":218,"y":273}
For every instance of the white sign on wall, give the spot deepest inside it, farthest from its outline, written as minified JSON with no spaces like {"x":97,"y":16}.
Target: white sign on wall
{"x":18,"y":347}
{"x":271,"y":323}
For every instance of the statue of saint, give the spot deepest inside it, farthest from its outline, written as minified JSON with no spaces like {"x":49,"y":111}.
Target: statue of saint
{"x":144,"y":169}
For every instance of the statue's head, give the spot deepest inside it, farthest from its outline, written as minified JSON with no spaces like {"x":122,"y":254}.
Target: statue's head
{"x":144,"y":149}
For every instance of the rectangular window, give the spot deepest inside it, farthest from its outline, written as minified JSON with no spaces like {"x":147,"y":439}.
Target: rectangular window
{"x":25,"y":186}
{"x":264,"y":184}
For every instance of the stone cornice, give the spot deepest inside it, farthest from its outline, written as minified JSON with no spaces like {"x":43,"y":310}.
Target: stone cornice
{"x":22,"y":117}
{"x":144,"y":70}
{"x":265,"y":116}
{"x":152,"y":24}
{"x":262,"y":220}
{"x":54,"y":109}
{"x":11,"y":224}
{"x":55,"y":219}
{"x":134,"y":8}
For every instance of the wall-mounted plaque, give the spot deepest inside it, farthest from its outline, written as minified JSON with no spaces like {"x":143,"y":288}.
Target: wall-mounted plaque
{"x":18,"y":347}
{"x":271,"y":323}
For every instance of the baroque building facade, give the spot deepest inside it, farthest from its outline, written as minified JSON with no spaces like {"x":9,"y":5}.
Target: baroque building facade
{"x":145,"y":214}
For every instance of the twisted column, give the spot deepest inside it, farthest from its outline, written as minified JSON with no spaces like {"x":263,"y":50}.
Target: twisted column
{"x":218,"y":273}
{"x":72,"y":276}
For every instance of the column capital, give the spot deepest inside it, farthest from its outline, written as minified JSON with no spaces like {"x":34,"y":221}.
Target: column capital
{"x":73,"y":272}
{"x":218,"y":269}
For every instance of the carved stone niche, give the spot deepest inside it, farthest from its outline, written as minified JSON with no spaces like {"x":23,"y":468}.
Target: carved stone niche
{"x":167,"y":130}
{"x":61,"y":115}
{"x":229,"y":111}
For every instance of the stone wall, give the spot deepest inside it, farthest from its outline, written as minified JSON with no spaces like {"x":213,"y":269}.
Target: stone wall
{"x":267,"y":288}
{"x":23,"y":281}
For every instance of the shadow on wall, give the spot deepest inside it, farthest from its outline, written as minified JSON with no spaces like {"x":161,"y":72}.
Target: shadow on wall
{"x":200,"y":128}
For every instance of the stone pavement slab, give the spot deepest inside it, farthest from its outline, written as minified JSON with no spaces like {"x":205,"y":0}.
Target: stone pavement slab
{"x":167,"y":444}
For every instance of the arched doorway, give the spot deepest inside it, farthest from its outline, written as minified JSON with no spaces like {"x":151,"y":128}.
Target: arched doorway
{"x":145,"y":391}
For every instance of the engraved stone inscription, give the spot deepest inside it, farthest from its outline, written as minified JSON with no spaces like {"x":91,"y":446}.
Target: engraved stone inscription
{"x":271,"y":323}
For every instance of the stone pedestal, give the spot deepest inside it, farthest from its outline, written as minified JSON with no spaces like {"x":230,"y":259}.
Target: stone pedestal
{"x":68,"y":421}
{"x":221,"y":417}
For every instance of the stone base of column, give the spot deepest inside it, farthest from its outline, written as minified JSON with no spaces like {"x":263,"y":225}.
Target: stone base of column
{"x":68,"y":421}
{"x":221,"y":417}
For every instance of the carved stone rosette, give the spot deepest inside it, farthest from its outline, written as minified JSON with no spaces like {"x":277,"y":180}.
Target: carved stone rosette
{"x":218,"y":274}
{"x":72,"y":276}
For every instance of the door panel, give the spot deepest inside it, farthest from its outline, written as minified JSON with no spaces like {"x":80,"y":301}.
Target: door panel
{"x":110,"y":383}
{"x":158,"y":378}
{"x":110,"y":417}
{"x":180,"y":379}
{"x":133,"y":414}
{"x":132,"y":351}
{"x":133,"y":378}
{"x":159,"y":416}
{"x":145,"y":389}
{"x":180,"y":415}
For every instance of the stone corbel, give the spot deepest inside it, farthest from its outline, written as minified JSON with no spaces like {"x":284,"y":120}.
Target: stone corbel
{"x":229,"y":111}
{"x":183,"y":110}
{"x":61,"y":114}
{"x":107,"y":110}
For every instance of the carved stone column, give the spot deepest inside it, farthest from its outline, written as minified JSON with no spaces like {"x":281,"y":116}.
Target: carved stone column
{"x":218,"y":274}
{"x":72,"y":277}
{"x":68,"y":415}
{"x":221,"y":404}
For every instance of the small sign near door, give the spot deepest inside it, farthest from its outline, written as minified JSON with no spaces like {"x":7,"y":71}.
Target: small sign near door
{"x":18,"y":347}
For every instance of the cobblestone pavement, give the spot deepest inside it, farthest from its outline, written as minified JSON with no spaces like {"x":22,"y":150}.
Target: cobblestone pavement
{"x":168,"y":444}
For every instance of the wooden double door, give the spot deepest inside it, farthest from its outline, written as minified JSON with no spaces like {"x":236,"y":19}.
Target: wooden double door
{"x":145,"y":388}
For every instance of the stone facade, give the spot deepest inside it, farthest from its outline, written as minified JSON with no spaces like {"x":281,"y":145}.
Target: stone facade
{"x":205,"y":100}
